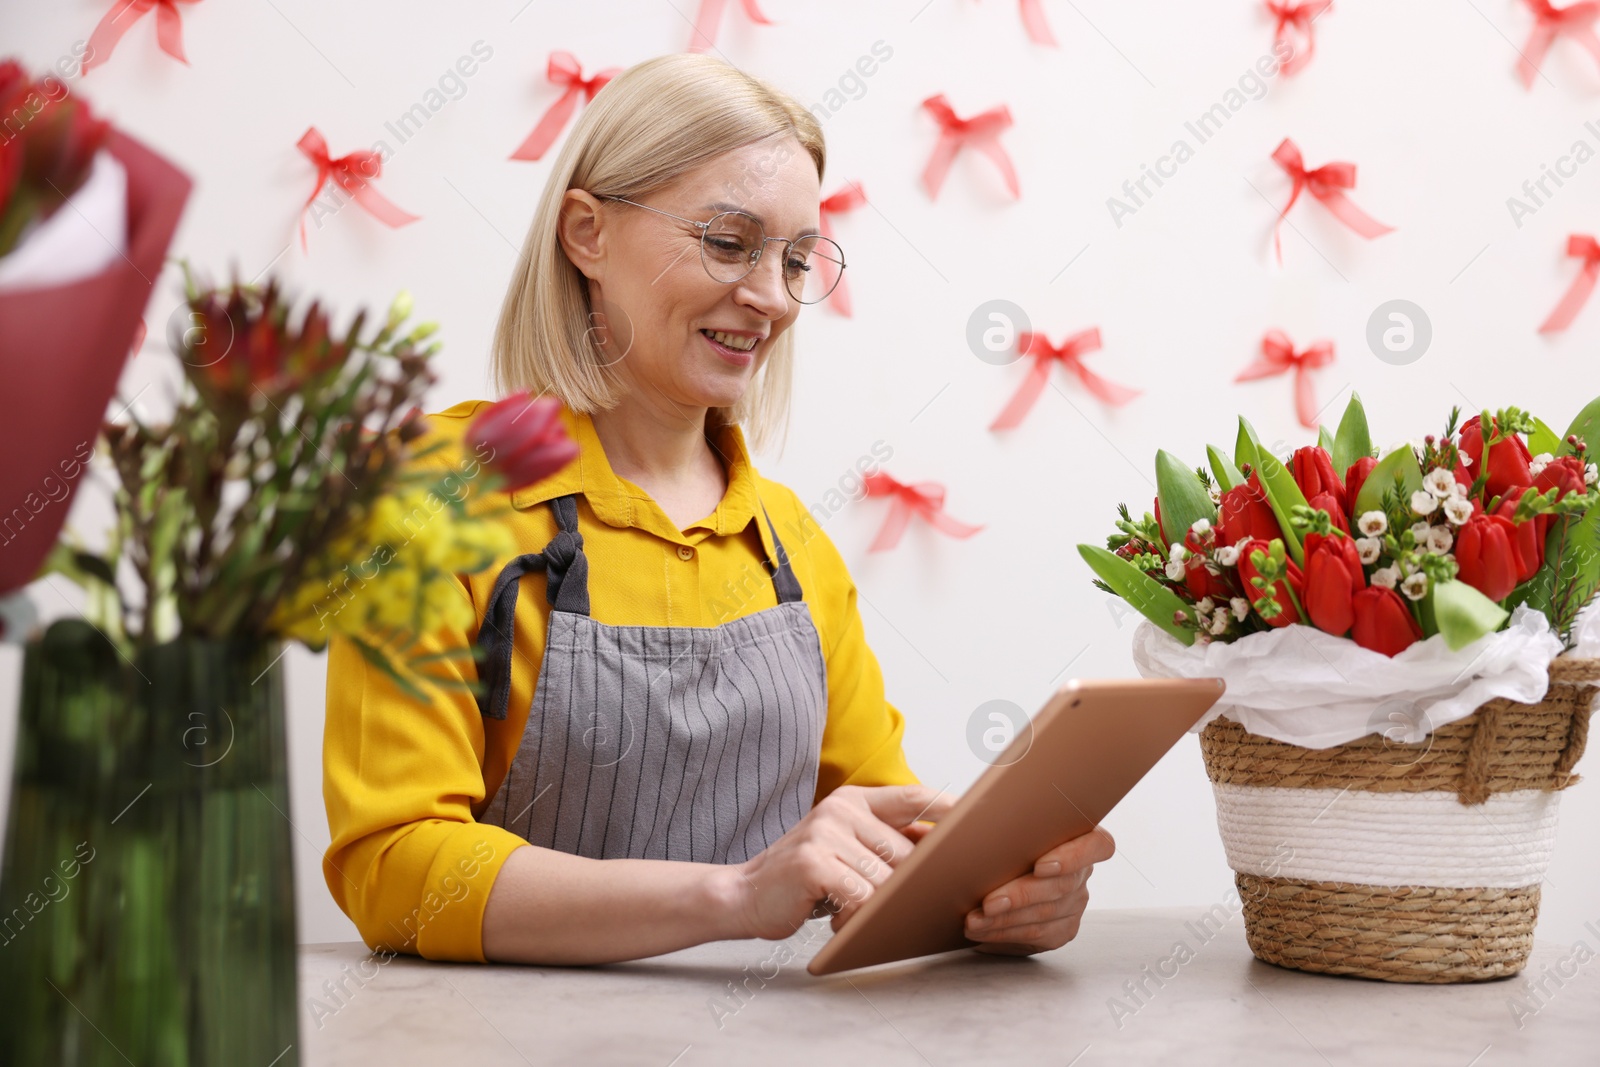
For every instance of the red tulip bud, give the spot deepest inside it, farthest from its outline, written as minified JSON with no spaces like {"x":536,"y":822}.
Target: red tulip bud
{"x":1355,"y":476}
{"x":1382,"y":622}
{"x":1486,"y":552}
{"x":1333,"y":577}
{"x":1247,"y":572}
{"x":1508,"y":459}
{"x":1530,"y":534}
{"x":524,"y":437}
{"x":1244,"y":512}
{"x":1313,"y":473}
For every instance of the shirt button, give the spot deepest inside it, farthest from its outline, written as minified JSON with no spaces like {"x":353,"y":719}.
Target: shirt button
{"x":685,"y":552}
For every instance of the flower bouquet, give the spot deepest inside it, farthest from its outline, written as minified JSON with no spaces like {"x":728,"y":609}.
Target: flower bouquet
{"x":86,"y":214}
{"x":293,"y":492}
{"x":1410,"y":644}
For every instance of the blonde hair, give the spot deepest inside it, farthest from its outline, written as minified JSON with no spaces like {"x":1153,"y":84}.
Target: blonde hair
{"x":651,"y":124}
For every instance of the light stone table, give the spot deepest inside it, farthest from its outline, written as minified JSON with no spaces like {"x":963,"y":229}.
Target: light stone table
{"x":1122,"y":992}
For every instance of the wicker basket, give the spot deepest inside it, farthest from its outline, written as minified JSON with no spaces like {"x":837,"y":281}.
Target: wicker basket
{"x":1402,"y":862}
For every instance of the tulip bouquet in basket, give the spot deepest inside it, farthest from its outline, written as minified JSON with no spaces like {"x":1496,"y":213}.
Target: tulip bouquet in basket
{"x":1439,"y":537}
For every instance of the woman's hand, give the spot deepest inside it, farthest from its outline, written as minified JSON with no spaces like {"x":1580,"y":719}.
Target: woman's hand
{"x":833,"y":859}
{"x":1041,"y":910}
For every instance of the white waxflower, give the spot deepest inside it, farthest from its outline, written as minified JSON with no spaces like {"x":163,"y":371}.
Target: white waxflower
{"x":1591,"y":474}
{"x":1240,"y":606}
{"x":1369,"y":549}
{"x":1175,"y":569}
{"x":1438,"y":482}
{"x":1228,"y":556}
{"x":1205,"y":605}
{"x":1200,"y":526}
{"x":1214,"y":491}
{"x":1416,"y":586}
{"x":1439,"y":539}
{"x":1219,"y":621}
{"x":1539,"y":463}
{"x":1457,"y":490}
{"x":1386,"y":576}
{"x":1458,"y":509}
{"x":1372,"y":523}
{"x":1423,"y":502}
{"x":1178,"y":550}
{"x":1466,"y":460}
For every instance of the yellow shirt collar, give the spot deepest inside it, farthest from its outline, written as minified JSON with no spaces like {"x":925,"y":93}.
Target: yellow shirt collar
{"x":617,"y":501}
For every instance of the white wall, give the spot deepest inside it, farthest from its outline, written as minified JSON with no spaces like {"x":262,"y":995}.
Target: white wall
{"x":1421,"y":96}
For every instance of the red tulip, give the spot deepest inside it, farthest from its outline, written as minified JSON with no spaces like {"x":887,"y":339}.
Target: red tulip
{"x":1354,"y":478}
{"x":1486,"y":553}
{"x":1296,"y":582}
{"x":1244,"y":512}
{"x":1313,"y":473}
{"x":1563,"y":472}
{"x":1530,"y":535}
{"x":525,"y":438}
{"x":1329,"y":503}
{"x":1508,"y":459}
{"x":49,"y":158}
{"x":1333,"y":577}
{"x":1383,"y":623}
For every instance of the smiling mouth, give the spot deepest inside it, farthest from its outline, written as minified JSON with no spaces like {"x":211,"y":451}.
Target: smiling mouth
{"x":733,"y":341}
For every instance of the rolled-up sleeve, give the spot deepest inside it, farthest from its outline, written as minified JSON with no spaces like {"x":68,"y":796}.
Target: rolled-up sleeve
{"x":408,"y":863}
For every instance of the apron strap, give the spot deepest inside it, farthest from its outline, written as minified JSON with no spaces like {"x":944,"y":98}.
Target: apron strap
{"x":567,"y":587}
{"x":783,"y":579}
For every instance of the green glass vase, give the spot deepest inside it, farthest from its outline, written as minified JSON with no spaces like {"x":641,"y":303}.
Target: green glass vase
{"x":147,"y":894}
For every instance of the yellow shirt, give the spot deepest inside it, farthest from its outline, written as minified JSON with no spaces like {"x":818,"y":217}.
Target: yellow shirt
{"x":404,"y":782}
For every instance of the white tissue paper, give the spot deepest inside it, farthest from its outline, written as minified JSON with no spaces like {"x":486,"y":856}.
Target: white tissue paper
{"x":82,"y":238}
{"x":1303,"y":686}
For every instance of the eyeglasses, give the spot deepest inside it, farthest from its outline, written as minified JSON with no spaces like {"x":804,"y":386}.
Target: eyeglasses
{"x":731,"y":244}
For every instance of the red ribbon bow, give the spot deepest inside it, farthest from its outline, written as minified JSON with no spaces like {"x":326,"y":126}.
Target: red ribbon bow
{"x":710,"y":18}
{"x":564,"y":70}
{"x":1071,"y":355}
{"x":847,"y":199}
{"x":122,"y":16}
{"x":352,"y":173}
{"x":1578,"y":244}
{"x":1033,"y":21}
{"x":1574,"y":20}
{"x":1299,"y":16}
{"x":1279,"y":357}
{"x":1327,"y":183}
{"x":982,"y":131}
{"x":924,"y":498}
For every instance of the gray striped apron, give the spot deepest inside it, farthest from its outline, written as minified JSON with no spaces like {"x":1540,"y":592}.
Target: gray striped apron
{"x":696,"y":743}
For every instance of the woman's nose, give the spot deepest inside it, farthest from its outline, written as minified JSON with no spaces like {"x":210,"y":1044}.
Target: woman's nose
{"x":765,"y":284}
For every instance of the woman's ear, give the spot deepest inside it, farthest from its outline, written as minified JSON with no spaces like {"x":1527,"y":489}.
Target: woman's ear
{"x":580,"y":229}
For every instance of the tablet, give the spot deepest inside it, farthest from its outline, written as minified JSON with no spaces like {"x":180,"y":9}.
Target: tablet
{"x":1057,"y":779}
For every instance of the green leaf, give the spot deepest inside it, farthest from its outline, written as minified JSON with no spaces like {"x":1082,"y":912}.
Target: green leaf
{"x":1246,"y":447}
{"x":1543,"y":438}
{"x":1353,"y":441}
{"x":1463,"y":614}
{"x":1154,"y":600}
{"x":1183,"y":498}
{"x":1283,"y":493}
{"x":1570,"y":574}
{"x":1226,"y":473}
{"x":1401,"y":464}
{"x":1324,"y":439}
{"x":1586,"y":424}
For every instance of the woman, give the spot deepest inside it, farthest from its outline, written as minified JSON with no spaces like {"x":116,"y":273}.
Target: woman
{"x":683,"y":736}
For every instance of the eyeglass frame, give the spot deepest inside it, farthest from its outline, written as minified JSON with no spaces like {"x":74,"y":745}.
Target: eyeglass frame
{"x":705,"y":227}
